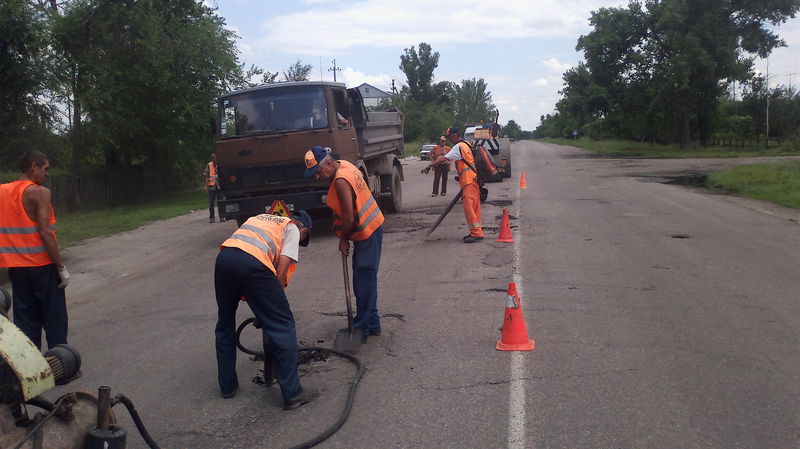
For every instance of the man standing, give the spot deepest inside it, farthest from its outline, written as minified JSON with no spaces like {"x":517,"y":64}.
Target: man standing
{"x":356,"y":217}
{"x":441,"y":171}
{"x":212,"y":186}
{"x":467,"y":179}
{"x":256,"y":263}
{"x":29,"y":249}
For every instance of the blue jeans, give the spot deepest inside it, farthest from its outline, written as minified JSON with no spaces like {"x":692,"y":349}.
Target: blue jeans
{"x":238,"y":274}
{"x":39,"y":304}
{"x":366,"y":260}
{"x":212,"y":195}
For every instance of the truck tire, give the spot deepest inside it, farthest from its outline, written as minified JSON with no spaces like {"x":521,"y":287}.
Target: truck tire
{"x":393,"y":202}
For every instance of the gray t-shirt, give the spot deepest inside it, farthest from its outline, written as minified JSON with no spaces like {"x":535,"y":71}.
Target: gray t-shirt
{"x":291,"y":242}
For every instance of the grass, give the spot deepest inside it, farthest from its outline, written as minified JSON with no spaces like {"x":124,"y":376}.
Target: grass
{"x":629,"y":148}
{"x":777,"y":182}
{"x":412,"y":148}
{"x":75,"y":227}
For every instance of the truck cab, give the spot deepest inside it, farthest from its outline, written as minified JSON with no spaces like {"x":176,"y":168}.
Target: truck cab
{"x":265,"y":131}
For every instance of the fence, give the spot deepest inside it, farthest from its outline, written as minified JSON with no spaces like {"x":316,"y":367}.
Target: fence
{"x":735,"y":142}
{"x":101,"y":190}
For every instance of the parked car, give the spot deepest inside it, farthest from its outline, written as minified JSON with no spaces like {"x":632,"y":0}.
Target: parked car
{"x":425,"y":152}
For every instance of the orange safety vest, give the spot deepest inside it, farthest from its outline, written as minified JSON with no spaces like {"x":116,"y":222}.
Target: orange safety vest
{"x":212,"y":174}
{"x":262,"y":237}
{"x":20,"y":242}
{"x":366,"y":214}
{"x":466,"y":175}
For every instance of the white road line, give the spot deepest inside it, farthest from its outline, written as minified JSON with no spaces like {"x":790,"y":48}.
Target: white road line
{"x":516,"y":399}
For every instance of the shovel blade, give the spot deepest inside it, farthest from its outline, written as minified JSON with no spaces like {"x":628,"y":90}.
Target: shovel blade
{"x":347,"y":341}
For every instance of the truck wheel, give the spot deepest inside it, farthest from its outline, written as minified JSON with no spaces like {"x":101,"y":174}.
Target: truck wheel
{"x":394,"y":202}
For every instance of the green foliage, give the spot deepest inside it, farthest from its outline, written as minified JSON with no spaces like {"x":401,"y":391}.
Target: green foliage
{"x":146,"y":75}
{"x":512,"y":130}
{"x":24,"y":115}
{"x":472,"y":102}
{"x":297,"y":72}
{"x":418,"y":66}
{"x":777,"y":182}
{"x":657,"y":70}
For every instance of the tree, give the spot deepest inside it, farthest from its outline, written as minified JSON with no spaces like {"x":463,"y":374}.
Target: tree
{"x":145,"y":75}
{"x":296,"y":72}
{"x":472,"y":102}
{"x":418,"y":68}
{"x":512,"y":130}
{"x":24,"y":114}
{"x":663,"y":65}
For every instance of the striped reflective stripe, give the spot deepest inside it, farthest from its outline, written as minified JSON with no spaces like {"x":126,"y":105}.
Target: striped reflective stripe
{"x":365,"y":208}
{"x":17,"y":230}
{"x":257,"y":243}
{"x":22,"y":249}
{"x":263,"y":235}
{"x":367,"y":221}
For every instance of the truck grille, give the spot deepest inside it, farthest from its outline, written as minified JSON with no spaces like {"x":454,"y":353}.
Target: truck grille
{"x":263,"y":176}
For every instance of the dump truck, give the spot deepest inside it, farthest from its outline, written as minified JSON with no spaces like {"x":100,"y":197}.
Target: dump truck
{"x":263,"y":132}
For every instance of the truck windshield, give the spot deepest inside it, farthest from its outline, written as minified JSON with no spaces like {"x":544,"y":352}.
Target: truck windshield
{"x":274,"y":110}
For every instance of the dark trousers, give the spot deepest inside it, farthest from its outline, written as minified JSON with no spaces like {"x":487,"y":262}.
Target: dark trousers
{"x":440,"y":172}
{"x":212,"y":195}
{"x":366,"y":260}
{"x":238,"y":274}
{"x":39,"y":304}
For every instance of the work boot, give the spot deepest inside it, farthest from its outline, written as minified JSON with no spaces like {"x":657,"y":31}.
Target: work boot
{"x":305,"y":396}
{"x":211,"y":220}
{"x":230,"y":394}
{"x":471,"y":239}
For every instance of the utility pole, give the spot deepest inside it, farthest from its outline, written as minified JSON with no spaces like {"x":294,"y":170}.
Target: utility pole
{"x":394,"y":89}
{"x":766,"y":138}
{"x":334,"y":69}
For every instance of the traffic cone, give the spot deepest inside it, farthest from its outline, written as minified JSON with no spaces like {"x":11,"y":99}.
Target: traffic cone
{"x":515,"y":332}
{"x":505,"y":229}
{"x":522,"y":184}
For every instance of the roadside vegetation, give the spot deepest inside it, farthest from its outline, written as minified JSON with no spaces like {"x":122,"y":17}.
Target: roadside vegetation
{"x":777,"y":182}
{"x":630,"y":148}
{"x":73,"y":228}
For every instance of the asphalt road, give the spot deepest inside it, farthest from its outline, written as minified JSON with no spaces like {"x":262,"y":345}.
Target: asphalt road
{"x":664,"y":316}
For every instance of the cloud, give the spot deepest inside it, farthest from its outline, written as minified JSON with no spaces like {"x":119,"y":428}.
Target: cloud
{"x":320,"y":29}
{"x":556,"y":66}
{"x":541,"y":82}
{"x":353,"y":78}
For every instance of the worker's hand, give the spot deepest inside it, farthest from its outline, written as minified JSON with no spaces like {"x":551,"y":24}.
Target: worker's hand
{"x":64,"y":275}
{"x":426,"y":170}
{"x":344,"y":246}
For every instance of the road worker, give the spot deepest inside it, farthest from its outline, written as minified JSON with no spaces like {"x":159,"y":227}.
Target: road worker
{"x":28,"y":248}
{"x":356,"y":217}
{"x":257,"y":263}
{"x":440,"y":173}
{"x":461,"y":152}
{"x":212,"y":187}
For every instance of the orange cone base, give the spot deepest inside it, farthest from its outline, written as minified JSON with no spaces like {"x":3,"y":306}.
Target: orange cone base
{"x":529,"y":346}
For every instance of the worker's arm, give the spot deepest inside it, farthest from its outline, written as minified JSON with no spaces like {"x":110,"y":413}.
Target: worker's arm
{"x":284,"y":262}
{"x":345,"y":193}
{"x":36,"y":200}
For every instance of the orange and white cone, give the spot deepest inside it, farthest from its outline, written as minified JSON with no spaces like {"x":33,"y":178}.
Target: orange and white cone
{"x":522,"y":184}
{"x":515,"y":332}
{"x":505,"y":229}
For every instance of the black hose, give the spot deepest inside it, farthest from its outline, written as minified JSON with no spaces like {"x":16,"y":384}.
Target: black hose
{"x":42,"y":403}
{"x":136,"y":420}
{"x":35,"y":428}
{"x":351,"y":394}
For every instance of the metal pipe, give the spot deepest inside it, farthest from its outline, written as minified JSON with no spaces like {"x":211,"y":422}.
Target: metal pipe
{"x":103,"y":407}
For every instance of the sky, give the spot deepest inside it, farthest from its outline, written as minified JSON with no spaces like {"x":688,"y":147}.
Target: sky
{"x":519,"y":47}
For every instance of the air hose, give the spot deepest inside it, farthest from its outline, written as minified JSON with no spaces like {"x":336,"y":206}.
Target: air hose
{"x":351,"y":394}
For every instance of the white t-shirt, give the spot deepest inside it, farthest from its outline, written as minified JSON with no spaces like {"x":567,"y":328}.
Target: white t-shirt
{"x":291,"y":242}
{"x":455,"y":152}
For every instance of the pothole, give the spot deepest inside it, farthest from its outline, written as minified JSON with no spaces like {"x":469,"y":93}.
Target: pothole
{"x":680,"y":236}
{"x":500,"y":203}
{"x":689,"y":180}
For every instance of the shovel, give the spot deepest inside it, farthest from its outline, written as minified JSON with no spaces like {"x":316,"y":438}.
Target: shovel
{"x":347,"y":339}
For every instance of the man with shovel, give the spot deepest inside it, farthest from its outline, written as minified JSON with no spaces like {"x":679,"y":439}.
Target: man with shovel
{"x":256,"y":263}
{"x":356,"y":217}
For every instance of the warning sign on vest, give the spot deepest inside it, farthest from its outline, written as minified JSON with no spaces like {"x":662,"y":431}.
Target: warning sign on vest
{"x":278,"y":208}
